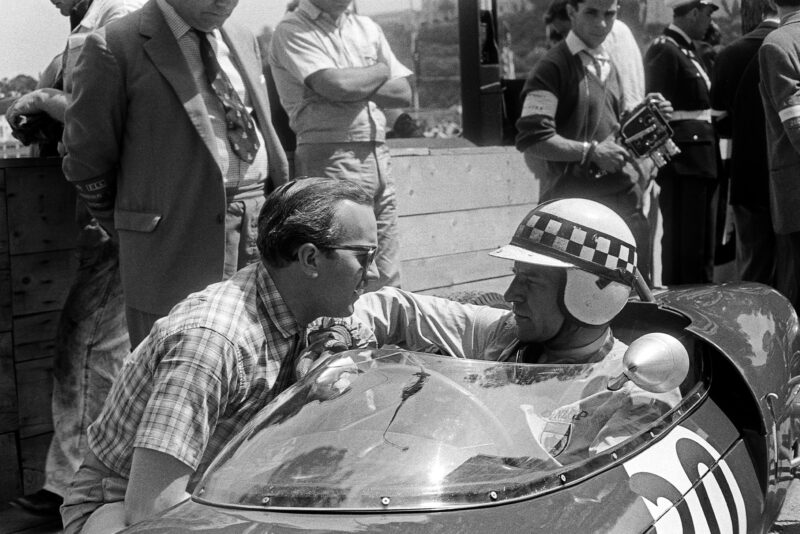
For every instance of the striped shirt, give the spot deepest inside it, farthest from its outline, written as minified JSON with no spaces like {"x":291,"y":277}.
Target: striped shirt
{"x":236,"y":172}
{"x":200,"y":375}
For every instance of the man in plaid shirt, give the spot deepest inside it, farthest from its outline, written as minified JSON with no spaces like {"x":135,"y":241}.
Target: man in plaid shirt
{"x":221,"y":355}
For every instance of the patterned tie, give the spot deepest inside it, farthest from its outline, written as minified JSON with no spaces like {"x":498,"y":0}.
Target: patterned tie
{"x":241,"y":130}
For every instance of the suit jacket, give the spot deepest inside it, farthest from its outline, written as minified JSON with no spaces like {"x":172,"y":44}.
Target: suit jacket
{"x":139,"y":150}
{"x":671,"y":71}
{"x":778,"y":59}
{"x":734,"y":90}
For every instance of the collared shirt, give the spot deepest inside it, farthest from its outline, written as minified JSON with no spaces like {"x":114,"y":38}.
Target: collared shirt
{"x":100,"y":13}
{"x":592,"y":58}
{"x":200,"y":375}
{"x":235,"y":172}
{"x":308,"y":40}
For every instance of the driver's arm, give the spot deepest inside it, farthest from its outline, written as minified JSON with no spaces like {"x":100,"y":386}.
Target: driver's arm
{"x":157,"y":482}
{"x":425,"y":323}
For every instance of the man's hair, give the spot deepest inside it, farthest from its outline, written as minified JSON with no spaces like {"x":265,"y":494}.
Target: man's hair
{"x":556,"y":11}
{"x":787,"y":3}
{"x":304,"y":211}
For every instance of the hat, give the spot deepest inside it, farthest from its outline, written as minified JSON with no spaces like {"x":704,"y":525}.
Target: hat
{"x":673,"y":4}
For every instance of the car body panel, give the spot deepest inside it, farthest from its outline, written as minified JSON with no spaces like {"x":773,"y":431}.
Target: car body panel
{"x":704,"y":473}
{"x":633,"y":488}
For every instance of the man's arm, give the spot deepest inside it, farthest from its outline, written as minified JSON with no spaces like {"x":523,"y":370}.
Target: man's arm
{"x":423,"y":323}
{"x":93,"y":129}
{"x":157,"y":482}
{"x":781,"y":83}
{"x":394,"y":93}
{"x":348,"y":84}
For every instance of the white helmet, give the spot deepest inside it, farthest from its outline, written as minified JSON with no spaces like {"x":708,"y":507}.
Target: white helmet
{"x":592,"y":242}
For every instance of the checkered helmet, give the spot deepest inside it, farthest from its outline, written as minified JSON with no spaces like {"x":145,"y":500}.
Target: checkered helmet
{"x":595,"y":246}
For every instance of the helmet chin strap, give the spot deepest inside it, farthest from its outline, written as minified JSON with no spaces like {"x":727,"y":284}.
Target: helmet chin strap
{"x":573,"y":334}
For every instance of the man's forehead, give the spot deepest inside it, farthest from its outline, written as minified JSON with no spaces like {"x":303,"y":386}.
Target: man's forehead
{"x":532,"y":270}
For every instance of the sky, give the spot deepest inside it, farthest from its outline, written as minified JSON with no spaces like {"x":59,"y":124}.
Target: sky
{"x":32,"y":32}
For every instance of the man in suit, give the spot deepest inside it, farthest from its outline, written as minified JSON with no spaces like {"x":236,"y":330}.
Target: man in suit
{"x":740,"y":125}
{"x":170,"y":144}
{"x":673,"y":68}
{"x":780,"y":78}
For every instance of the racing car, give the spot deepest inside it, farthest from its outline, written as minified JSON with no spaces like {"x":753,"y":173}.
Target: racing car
{"x":416,"y":442}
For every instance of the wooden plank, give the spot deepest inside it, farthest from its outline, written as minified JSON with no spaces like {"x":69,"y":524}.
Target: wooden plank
{"x":41,"y":210}
{"x":439,"y":234}
{"x":9,"y":416}
{"x":494,"y":285}
{"x":40,"y":282}
{"x":453,"y":269}
{"x":466,"y":181}
{"x":35,"y":328}
{"x":10,"y":475}
{"x":35,"y":391}
{"x":3,"y":215}
{"x":5,"y":294}
{"x":33,"y":458}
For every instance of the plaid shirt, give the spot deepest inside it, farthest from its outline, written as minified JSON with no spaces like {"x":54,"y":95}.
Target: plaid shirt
{"x":200,"y":375}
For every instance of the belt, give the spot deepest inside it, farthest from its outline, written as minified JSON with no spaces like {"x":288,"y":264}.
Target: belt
{"x":694,"y":115}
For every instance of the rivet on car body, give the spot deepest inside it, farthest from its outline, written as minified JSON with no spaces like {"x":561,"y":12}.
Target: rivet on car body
{"x":563,"y":478}
{"x":493,"y":495}
{"x":265,"y":500}
{"x":614,"y":455}
{"x":385,"y":501}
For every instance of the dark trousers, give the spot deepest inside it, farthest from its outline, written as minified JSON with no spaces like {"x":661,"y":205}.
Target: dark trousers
{"x":687,"y":248}
{"x":755,"y":244}
{"x":786,"y":275}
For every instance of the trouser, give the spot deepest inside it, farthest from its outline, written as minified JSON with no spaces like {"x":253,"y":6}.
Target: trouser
{"x":91,"y":344}
{"x":687,"y":248}
{"x":755,"y":244}
{"x":241,"y":232}
{"x":368,"y":164}
{"x":94,"y":487}
{"x":787,"y":280}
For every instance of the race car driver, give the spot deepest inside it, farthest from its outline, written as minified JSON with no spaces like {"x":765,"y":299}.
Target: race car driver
{"x":574,"y":269}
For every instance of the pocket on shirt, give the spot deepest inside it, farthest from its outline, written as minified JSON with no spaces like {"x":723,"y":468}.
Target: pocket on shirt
{"x":136,"y":221}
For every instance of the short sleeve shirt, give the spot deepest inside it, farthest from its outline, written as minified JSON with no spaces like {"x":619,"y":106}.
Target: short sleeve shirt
{"x":200,"y":375}
{"x":308,"y":40}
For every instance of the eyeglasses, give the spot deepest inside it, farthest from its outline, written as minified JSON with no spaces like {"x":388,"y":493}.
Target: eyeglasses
{"x":366,"y":259}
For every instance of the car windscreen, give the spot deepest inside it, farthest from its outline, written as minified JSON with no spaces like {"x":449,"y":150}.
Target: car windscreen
{"x":396,"y":430}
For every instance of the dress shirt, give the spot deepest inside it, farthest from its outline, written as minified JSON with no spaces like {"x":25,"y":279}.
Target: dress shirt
{"x":235,"y":172}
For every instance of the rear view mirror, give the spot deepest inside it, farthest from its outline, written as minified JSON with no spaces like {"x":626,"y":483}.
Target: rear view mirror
{"x":655,"y":362}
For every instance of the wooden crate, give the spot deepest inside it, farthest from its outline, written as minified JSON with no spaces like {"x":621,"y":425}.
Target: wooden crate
{"x":37,"y":264}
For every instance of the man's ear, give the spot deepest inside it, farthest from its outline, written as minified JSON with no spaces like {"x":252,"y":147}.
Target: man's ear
{"x":571,"y":12}
{"x":308,"y":256}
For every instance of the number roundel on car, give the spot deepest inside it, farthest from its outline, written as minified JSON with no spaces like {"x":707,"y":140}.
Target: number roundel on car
{"x":666,"y":477}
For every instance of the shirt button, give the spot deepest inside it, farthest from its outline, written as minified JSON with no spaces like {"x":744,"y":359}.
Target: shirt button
{"x":694,"y":138}
{"x":221,"y":218}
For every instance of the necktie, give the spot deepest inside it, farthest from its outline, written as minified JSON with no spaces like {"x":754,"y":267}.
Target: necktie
{"x":241,"y":130}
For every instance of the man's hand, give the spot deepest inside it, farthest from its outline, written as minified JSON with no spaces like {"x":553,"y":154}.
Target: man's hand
{"x":609,"y":156}
{"x":322,"y":343}
{"x":663,"y":105}
{"x":50,"y":101}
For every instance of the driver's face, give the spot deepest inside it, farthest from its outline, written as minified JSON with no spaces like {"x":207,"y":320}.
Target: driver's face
{"x":534,"y":294}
